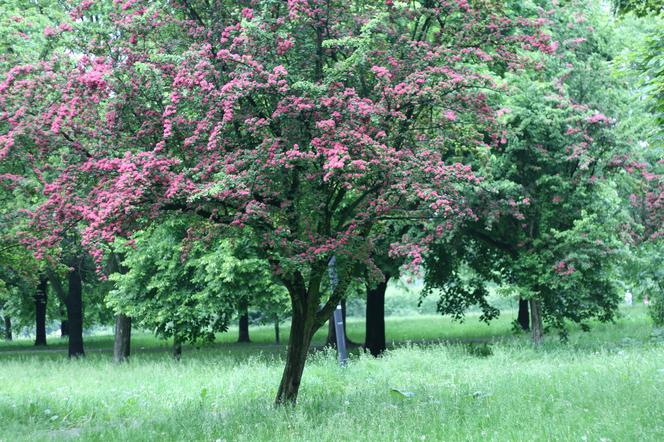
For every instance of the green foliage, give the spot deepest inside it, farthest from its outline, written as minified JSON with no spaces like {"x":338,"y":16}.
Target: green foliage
{"x":163,"y":290}
{"x":190,"y":289}
{"x":639,"y":7}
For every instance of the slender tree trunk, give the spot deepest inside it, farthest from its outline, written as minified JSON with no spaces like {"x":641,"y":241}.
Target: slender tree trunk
{"x":122,"y":344}
{"x":374,"y":340}
{"x":41,"y":300}
{"x":523,"y":318}
{"x":243,"y":335}
{"x":64,"y":328}
{"x":276,"y":330}
{"x":331,"y":340}
{"x":301,"y":332}
{"x":177,"y":348}
{"x":75,"y":313}
{"x":536,"y":321}
{"x":8,"y":328}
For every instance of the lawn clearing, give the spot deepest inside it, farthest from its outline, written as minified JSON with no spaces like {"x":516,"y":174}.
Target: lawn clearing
{"x":603,"y":385}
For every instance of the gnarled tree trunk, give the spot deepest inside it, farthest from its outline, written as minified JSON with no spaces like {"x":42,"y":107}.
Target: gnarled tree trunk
{"x":301,"y":331}
{"x":374,"y":340}
{"x":122,"y":344}
{"x":536,"y":321}
{"x":75,"y":313}
{"x":523,"y":317}
{"x":308,"y":316}
{"x":41,"y":300}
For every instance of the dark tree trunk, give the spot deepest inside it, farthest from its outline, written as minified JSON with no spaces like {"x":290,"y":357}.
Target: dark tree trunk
{"x":177,"y":348}
{"x":75,"y":313}
{"x":276,"y":330}
{"x":8,"y":328}
{"x":122,"y":344}
{"x":40,"y":311}
{"x":64,"y":328}
{"x":524,"y":315}
{"x":374,"y":340}
{"x":536,"y":321}
{"x":243,"y":335}
{"x":301,"y":332}
{"x":331,"y":340}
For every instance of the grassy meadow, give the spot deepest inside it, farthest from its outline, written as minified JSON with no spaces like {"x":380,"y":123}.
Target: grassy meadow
{"x":606,"y":385}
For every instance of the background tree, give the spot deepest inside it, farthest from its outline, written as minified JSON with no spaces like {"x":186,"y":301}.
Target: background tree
{"x":166,"y":286}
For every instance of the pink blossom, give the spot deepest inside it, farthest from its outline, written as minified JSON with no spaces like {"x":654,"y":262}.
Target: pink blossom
{"x":597,"y":118}
{"x":381,"y":72}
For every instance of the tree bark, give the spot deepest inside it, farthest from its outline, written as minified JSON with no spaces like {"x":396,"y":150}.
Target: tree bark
{"x":523,"y":318}
{"x":374,"y":339}
{"x":8,"y":328}
{"x":331,"y":340}
{"x":276,"y":330}
{"x":177,"y":348}
{"x":41,"y":300}
{"x":64,"y":328}
{"x":301,"y":332}
{"x":536,"y":321}
{"x":243,"y":335}
{"x":122,"y":344}
{"x":75,"y":313}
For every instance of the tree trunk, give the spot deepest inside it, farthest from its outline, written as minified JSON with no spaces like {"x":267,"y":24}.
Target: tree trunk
{"x":331,"y":340}
{"x":276,"y":330}
{"x":122,"y":344}
{"x":301,"y":332}
{"x":177,"y":348}
{"x":374,"y":340}
{"x":75,"y":313}
{"x":523,"y":318}
{"x":243,"y":335}
{"x":536,"y":321}
{"x":64,"y":328}
{"x":40,"y":311}
{"x":8,"y":328}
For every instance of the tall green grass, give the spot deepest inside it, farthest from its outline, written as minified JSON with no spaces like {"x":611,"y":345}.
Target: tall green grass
{"x":603,"y":385}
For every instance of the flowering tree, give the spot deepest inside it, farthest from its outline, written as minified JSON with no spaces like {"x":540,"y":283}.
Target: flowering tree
{"x":305,"y":124}
{"x":549,"y":203}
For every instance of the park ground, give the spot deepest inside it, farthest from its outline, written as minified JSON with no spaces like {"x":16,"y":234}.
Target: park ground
{"x":440,"y":380}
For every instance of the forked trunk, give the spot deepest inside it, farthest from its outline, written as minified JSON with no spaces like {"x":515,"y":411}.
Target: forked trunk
{"x":8,"y":328}
{"x":536,"y":321}
{"x":40,"y":312}
{"x":122,"y":344}
{"x":523,"y":318}
{"x":301,"y":332}
{"x":374,"y":340}
{"x":75,"y":313}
